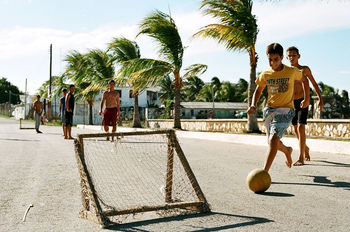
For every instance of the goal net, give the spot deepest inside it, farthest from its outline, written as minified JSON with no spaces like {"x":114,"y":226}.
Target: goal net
{"x":24,"y":124}
{"x":137,"y":172}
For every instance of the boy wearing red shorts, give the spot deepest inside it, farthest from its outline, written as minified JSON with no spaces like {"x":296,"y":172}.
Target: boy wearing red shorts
{"x":111,"y":114}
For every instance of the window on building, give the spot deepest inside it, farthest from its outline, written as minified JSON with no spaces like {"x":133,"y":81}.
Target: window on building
{"x":130,"y":94}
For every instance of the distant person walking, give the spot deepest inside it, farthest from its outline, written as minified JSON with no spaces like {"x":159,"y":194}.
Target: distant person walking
{"x":38,"y":109}
{"x":63,"y":111}
{"x":69,"y":112}
{"x":112,"y":112}
{"x":300,"y":119}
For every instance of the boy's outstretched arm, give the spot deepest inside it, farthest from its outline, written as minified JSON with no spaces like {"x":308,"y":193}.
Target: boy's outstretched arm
{"x":306,"y":88}
{"x":256,"y":97}
{"x":308,"y":74}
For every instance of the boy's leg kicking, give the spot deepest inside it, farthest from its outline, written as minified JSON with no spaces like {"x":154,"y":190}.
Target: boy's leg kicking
{"x":276,"y":123}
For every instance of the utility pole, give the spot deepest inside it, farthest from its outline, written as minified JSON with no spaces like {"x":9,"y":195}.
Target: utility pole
{"x":25,"y":100}
{"x":9,"y":103}
{"x":213,"y":98}
{"x":49,"y":102}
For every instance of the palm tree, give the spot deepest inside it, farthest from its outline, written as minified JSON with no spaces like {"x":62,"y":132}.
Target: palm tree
{"x":206,"y":94}
{"x":162,"y":28}
{"x":125,"y":50}
{"x":192,"y":88}
{"x":227,"y":92}
{"x":91,"y":73}
{"x":166,"y":85}
{"x":237,"y":30}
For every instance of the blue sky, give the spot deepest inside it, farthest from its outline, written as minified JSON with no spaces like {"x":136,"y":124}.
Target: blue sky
{"x":319,"y":28}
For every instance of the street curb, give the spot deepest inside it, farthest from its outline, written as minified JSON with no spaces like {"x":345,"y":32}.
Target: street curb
{"x":316,"y":145}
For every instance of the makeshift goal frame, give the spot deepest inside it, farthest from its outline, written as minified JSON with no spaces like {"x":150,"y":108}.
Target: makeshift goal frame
{"x":25,"y":128}
{"x":92,"y":209}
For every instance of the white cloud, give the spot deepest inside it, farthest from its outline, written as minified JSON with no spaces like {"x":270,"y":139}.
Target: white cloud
{"x":277,"y":21}
{"x":286,"y":19}
{"x":344,"y":72}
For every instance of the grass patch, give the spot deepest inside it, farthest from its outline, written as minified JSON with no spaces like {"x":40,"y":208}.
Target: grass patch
{"x":129,"y":124}
{"x":5,"y":116}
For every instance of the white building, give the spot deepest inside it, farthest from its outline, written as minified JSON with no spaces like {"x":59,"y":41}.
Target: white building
{"x":147,"y":98}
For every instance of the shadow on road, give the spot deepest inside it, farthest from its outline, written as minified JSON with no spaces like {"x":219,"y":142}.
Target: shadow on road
{"x":21,"y":140}
{"x":329,"y":164}
{"x":195,"y":222}
{"x":322,"y":181}
{"x":276,"y":194}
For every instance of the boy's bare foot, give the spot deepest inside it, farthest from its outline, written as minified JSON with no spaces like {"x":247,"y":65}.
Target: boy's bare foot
{"x":307,"y":153}
{"x":299,"y":163}
{"x":288,"y":154}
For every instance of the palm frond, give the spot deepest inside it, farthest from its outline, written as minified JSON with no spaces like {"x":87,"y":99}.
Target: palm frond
{"x":162,"y":28}
{"x":237,"y":28}
{"x":194,"y":70}
{"x":124,"y":49}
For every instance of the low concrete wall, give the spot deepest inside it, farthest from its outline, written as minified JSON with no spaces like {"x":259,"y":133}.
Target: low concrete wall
{"x":316,"y":127}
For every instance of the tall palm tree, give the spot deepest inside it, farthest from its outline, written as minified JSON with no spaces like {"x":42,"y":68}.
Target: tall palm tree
{"x":162,"y":28}
{"x":237,"y":30}
{"x":125,"y":50}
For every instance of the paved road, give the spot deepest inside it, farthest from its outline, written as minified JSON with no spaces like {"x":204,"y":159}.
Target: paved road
{"x":40,"y":169}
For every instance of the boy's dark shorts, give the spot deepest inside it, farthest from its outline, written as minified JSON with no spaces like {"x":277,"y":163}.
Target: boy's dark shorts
{"x":300,"y":113}
{"x":110,"y":117}
{"x":69,"y":118}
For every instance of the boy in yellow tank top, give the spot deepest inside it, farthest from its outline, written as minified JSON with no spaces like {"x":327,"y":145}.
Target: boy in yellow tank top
{"x":280,"y":107}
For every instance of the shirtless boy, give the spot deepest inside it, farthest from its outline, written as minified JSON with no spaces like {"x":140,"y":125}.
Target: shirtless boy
{"x":111,"y":114}
{"x":38,"y":109}
{"x":300,"y":118}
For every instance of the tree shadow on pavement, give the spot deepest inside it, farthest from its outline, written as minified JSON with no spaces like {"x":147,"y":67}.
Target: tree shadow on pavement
{"x":322,"y":181}
{"x":213,"y":221}
{"x":21,"y":140}
{"x":329,"y":163}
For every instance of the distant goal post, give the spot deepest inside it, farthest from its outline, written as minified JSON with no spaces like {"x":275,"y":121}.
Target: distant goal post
{"x":139,"y":172}
{"x":25,"y":125}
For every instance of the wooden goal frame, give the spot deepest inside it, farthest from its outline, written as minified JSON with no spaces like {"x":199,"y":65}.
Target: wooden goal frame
{"x":24,"y":128}
{"x":90,"y":198}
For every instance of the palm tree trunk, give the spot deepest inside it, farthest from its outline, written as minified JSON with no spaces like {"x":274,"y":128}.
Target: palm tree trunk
{"x":252,"y":118}
{"x":136,"y":119}
{"x":90,"y":113}
{"x":177,"y":122}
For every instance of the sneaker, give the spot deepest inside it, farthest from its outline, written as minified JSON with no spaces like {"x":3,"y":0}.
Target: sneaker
{"x":39,"y":132}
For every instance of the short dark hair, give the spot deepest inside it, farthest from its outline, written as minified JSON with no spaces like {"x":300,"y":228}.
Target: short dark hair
{"x":274,"y":48}
{"x":111,"y":81}
{"x":293,"y":48}
{"x":38,"y":95}
{"x":71,"y":86}
{"x":64,"y":90}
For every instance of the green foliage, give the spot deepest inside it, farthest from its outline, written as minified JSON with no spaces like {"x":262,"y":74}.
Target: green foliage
{"x":5,"y":88}
{"x":162,"y":28}
{"x":192,"y":88}
{"x":237,"y":28}
{"x":169,"y":105}
{"x":223,"y":91}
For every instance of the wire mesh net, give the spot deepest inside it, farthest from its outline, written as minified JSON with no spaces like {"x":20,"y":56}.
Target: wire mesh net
{"x":137,"y":171}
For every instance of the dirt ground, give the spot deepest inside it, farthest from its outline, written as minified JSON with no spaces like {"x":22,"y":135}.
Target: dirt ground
{"x":41,"y":169}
